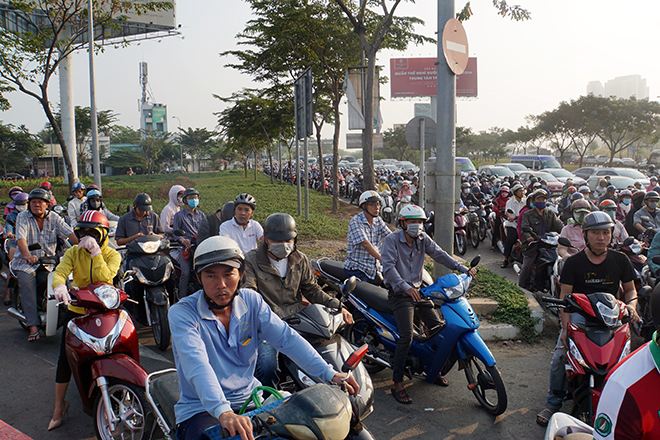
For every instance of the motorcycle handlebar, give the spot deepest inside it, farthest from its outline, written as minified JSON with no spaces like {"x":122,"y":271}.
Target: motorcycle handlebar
{"x":551,"y":300}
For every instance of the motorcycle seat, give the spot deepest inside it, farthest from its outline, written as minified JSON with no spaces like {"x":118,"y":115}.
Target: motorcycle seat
{"x":333,"y":268}
{"x":165,"y":391}
{"x":374,"y":296}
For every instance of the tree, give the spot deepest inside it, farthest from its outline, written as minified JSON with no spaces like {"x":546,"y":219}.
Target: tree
{"x":120,"y":134}
{"x":125,"y":157}
{"x":197,"y":143}
{"x":50,"y":30}
{"x":151,"y":147}
{"x":30,"y":146}
{"x":10,"y":156}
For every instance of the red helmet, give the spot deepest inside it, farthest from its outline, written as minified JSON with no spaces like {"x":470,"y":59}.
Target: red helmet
{"x":94,"y":220}
{"x":46,"y":185}
{"x":92,"y":186}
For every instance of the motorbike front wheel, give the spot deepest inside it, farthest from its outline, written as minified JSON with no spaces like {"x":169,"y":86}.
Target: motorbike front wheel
{"x":488,"y":385}
{"x":460,"y":243}
{"x":359,"y":333}
{"x":159,"y":326}
{"x":129,"y":406}
{"x":473,"y":231}
{"x":16,"y":300}
{"x":483,"y":230}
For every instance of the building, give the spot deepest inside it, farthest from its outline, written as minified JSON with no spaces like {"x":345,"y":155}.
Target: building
{"x":622,"y":87}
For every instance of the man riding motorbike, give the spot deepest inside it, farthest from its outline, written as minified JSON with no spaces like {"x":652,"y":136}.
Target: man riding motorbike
{"x":78,"y":191}
{"x":242,"y":229}
{"x":94,"y":202}
{"x":187,"y":220}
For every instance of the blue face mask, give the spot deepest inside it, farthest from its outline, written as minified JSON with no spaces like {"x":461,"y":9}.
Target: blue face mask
{"x":626,"y":201}
{"x":193,"y":203}
{"x":543,"y":186}
{"x":539,"y":205}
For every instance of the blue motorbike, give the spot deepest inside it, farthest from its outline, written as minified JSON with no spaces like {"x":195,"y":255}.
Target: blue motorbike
{"x":433,"y":351}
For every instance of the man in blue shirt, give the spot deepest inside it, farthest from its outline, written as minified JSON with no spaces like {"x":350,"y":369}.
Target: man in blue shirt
{"x":215,"y":334}
{"x":187,"y":220}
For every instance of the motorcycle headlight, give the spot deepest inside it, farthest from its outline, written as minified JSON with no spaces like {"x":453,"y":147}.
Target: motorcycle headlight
{"x":576,"y":354}
{"x":168,"y":271}
{"x":149,"y":247}
{"x":610,"y":315}
{"x":453,"y":292}
{"x":141,"y":278}
{"x":108,"y":295}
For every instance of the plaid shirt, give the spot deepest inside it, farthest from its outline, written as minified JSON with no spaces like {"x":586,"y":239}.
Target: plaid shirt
{"x":359,"y":230}
{"x":27,"y":228}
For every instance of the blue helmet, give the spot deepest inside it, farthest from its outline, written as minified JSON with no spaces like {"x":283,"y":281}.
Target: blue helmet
{"x":77,"y":186}
{"x":94,"y":192}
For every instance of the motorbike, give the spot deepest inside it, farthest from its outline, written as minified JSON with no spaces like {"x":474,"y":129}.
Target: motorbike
{"x":546,"y":257}
{"x":150,"y":283}
{"x":429,"y":223}
{"x":400,"y":204}
{"x":320,"y":411}
{"x":433,"y":351}
{"x":320,"y":326}
{"x":565,"y":427}
{"x":103,"y":351}
{"x":484,"y":214}
{"x":175,"y":249}
{"x":491,"y":230}
{"x":460,"y":234}
{"x":473,"y":226}
{"x":596,"y":344}
{"x":387,"y":211}
{"x":47,"y":307}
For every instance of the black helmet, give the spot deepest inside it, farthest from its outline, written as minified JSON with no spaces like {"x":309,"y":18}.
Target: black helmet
{"x":597,"y":220}
{"x":39,"y":193}
{"x":534,"y":179}
{"x":611,"y":188}
{"x":648,"y":195}
{"x":246,"y":199}
{"x":143,"y":202}
{"x":539,"y":193}
{"x":227,"y":211}
{"x":280,"y":227}
{"x":651,"y":167}
{"x":189,"y":192}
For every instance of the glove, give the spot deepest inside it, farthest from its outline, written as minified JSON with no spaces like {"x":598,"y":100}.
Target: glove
{"x":91,"y":245}
{"x":62,"y":294}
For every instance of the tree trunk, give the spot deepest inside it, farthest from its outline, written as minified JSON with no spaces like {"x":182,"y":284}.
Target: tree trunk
{"x":270,"y":161}
{"x":335,"y":159}
{"x":255,"y":164}
{"x":60,"y":138}
{"x":245,"y":166}
{"x":368,"y":132}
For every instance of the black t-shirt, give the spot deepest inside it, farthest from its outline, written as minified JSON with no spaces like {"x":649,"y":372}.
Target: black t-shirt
{"x":586,"y":277}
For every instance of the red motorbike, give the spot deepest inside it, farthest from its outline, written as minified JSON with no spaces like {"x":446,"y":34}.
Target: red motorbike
{"x":460,"y":235}
{"x":103,"y":352}
{"x":596,"y":344}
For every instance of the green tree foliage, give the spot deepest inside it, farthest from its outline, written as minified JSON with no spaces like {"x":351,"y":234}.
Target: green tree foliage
{"x":151,"y":148}
{"x":123,"y":158}
{"x":120,"y":134}
{"x":16,"y":145}
{"x":197,"y":142}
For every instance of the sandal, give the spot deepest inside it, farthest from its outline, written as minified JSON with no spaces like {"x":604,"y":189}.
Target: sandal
{"x":401,"y":396}
{"x":441,"y":381}
{"x":543,"y":417}
{"x":34,"y":337}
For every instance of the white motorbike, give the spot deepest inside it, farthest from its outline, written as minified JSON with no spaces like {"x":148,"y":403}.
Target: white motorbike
{"x":387,"y":210}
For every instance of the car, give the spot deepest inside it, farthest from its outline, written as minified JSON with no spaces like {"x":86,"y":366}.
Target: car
{"x":13,"y":176}
{"x":535,"y":162}
{"x":589,"y":159}
{"x":628,"y":162}
{"x":620,"y":182}
{"x":616,"y":162}
{"x":562,"y":175}
{"x":177,"y":169}
{"x":495,"y":170}
{"x":465,"y":163}
{"x":601,"y":159}
{"x":584,"y":172}
{"x":555,"y":187}
{"x":627,"y":172}
{"x":517,"y":168}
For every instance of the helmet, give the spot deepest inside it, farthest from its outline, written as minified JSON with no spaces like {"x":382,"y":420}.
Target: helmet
{"x":597,"y":220}
{"x":227,"y":211}
{"x":246,"y":199}
{"x":189,"y":192}
{"x":611,"y":188}
{"x":651,"y":195}
{"x":638,"y":195}
{"x":475,"y":189}
{"x":636,"y":184}
{"x":280,"y":227}
{"x":625,"y":193}
{"x":516,"y":187}
{"x":652,"y":178}
{"x":465,"y":185}
{"x":536,"y":185}
{"x":46,"y":185}
{"x":571,"y":189}
{"x":93,"y":220}
{"x":39,"y":193}
{"x":143,"y":202}
{"x":601,"y":182}
{"x":607,"y":204}
{"x":369,"y":196}
{"x":77,"y":186}
{"x":539,"y":193}
{"x":383,"y":179}
{"x":584,"y":189}
{"x":580,"y":203}
{"x":14,"y":190}
{"x":217,"y":250}
{"x":94,"y":193}
{"x":91,"y":187}
{"x":94,"y":199}
{"x":412,"y":212}
{"x":577,"y":196}
{"x":534,"y":179}
{"x":651,"y":167}
{"x":504,"y":191}
{"x":21,"y":198}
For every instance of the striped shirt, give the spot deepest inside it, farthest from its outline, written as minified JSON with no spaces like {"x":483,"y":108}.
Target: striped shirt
{"x":359,"y":230}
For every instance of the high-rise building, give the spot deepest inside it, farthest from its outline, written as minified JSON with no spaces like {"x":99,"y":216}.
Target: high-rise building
{"x":622,"y":87}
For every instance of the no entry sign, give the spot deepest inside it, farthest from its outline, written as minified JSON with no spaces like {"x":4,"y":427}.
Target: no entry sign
{"x":455,"y":45}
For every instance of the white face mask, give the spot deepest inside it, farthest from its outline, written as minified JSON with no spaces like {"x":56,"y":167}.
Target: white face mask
{"x":281,"y":250}
{"x":414,"y":229}
{"x":21,"y":208}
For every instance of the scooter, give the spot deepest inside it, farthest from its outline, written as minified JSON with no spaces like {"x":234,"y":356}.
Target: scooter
{"x":175,"y":249}
{"x":387,"y":211}
{"x":460,"y":234}
{"x":473,"y":226}
{"x":320,"y":326}
{"x":595,"y":346}
{"x":321,"y":411}
{"x":546,"y":257}
{"x":150,"y":283}
{"x":103,"y":351}
{"x":565,"y":427}
{"x":433,"y":351}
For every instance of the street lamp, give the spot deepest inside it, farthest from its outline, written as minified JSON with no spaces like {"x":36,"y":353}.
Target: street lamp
{"x":180,"y":146}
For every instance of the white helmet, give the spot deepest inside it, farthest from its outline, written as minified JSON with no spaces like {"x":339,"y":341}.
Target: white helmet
{"x":411,"y":212}
{"x":217,"y":250}
{"x":369,"y":196}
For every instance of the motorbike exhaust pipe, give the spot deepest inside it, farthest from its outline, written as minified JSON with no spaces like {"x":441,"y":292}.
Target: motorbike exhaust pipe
{"x":500,"y":246}
{"x":16,"y":314}
{"x":516,"y":268}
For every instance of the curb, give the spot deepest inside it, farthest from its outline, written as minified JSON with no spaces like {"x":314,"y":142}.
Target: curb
{"x":499,"y":332}
{"x":8,"y":432}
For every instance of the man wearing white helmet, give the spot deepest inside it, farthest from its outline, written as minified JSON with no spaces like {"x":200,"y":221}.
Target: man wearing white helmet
{"x":511,"y":211}
{"x":403,"y":254}
{"x":366,"y":232}
{"x":215,"y":334}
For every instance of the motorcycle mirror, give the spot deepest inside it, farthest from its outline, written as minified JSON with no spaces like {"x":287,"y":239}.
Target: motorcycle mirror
{"x":354,"y":359}
{"x":69,"y":198}
{"x":475,"y":261}
{"x":34,"y":247}
{"x":179,"y":233}
{"x":349,"y":286}
{"x":628,"y":241}
{"x":565,"y":242}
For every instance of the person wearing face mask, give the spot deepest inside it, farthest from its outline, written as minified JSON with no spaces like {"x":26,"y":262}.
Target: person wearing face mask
{"x":512,"y":210}
{"x":188,"y":221}
{"x":541,"y":220}
{"x":610,"y":193}
{"x":94,"y":202}
{"x":601,"y":189}
{"x":283,"y":276}
{"x":650,"y":213}
{"x":623,"y":208}
{"x":20,"y":205}
{"x":573,"y":230}
{"x":167,"y":214}
{"x":619,"y":233}
{"x":403,"y":254}
{"x":242,"y":229}
{"x":78,"y":191}
{"x":564,"y":205}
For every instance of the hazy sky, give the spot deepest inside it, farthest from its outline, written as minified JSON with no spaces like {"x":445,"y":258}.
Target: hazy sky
{"x":524,"y":67}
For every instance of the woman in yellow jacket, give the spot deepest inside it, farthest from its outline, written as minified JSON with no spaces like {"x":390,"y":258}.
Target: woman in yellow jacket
{"x":91,"y":261}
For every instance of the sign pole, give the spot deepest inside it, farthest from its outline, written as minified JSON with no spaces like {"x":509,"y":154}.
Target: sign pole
{"x":298,"y":175}
{"x":306,"y":181}
{"x":422,"y":146}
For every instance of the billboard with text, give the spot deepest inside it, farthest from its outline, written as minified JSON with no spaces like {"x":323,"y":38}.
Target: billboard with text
{"x":414,"y":77}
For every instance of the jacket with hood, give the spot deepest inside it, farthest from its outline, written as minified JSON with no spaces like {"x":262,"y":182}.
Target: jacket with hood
{"x":167,"y":214}
{"x":100,"y":269}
